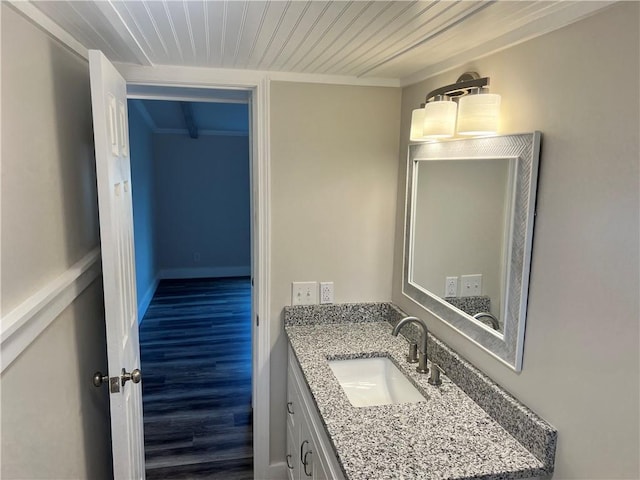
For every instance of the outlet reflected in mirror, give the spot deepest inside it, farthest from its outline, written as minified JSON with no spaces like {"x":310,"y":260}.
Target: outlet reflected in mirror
{"x":461,"y":231}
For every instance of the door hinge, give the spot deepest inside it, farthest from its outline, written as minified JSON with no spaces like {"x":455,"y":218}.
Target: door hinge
{"x":252,"y":281}
{"x":257,"y":320}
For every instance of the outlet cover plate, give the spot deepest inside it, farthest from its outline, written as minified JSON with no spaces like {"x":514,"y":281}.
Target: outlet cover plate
{"x":326,"y":292}
{"x":471,"y":285}
{"x":304,"y":293}
{"x":451,"y":287}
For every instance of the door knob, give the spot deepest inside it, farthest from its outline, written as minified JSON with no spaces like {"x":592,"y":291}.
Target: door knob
{"x":135,"y":376}
{"x":99,"y":379}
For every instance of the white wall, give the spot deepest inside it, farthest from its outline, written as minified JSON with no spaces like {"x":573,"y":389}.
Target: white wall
{"x":202,"y":205}
{"x":55,"y":424}
{"x":333,"y":193}
{"x":580,"y":87}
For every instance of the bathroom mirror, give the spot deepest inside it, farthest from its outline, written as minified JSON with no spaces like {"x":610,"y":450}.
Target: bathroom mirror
{"x":468,"y":235}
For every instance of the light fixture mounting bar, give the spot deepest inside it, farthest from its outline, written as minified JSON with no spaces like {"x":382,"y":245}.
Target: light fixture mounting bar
{"x":459,"y":88}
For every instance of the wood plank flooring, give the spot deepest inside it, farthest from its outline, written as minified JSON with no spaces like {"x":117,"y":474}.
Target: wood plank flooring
{"x":195,"y":346}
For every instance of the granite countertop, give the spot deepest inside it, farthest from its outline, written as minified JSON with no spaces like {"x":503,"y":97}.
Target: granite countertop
{"x":447,"y":436}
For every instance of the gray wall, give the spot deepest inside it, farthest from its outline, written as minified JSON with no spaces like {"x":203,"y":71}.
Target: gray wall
{"x":202,"y":205}
{"x":55,"y":424}
{"x":460,"y":224}
{"x":581,"y":361}
{"x":333,"y":193}
{"x":143,"y":194}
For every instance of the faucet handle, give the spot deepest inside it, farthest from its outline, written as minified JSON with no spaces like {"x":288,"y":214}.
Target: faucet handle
{"x":412,"y":357}
{"x":434,"y":378}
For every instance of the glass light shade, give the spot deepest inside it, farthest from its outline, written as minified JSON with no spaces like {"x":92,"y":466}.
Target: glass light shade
{"x":417,"y":121}
{"x":439,"y":119}
{"x":478,"y":114}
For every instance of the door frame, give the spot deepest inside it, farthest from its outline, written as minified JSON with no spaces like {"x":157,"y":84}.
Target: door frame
{"x":258,"y":84}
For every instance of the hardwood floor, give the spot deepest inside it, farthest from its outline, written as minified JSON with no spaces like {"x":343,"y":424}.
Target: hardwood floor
{"x":195,"y":346}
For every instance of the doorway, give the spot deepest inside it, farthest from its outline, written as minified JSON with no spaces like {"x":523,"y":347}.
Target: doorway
{"x":190,"y":85}
{"x":191,"y":206}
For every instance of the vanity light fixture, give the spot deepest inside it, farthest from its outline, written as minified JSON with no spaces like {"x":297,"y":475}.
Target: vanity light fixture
{"x":477,"y":110}
{"x":417,"y":124}
{"x":439,"y":118}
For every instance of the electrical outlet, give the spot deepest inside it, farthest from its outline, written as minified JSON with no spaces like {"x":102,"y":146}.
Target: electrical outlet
{"x":304,"y":293}
{"x":471,"y":285}
{"x":326,"y":292}
{"x":451,"y":287}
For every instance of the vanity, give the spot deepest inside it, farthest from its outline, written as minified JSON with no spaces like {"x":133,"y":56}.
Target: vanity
{"x":468,"y":236}
{"x":465,"y":428}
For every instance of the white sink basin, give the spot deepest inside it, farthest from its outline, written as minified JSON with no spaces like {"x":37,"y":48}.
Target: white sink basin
{"x":374,"y":381}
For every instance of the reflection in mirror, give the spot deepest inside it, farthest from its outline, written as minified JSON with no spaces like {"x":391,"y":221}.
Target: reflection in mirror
{"x":461,"y":229}
{"x":468,"y":234}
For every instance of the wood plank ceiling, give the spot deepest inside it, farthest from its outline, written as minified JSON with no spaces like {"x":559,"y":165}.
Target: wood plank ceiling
{"x":383,"y":39}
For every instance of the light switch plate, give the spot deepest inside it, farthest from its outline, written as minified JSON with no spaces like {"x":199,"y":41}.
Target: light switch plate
{"x":304,"y":293}
{"x":471,"y":285}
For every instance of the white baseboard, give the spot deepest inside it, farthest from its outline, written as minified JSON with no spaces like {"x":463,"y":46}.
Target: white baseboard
{"x":204,"y":272}
{"x":144,"y":302}
{"x":277,"y":471}
{"x":21,"y":326}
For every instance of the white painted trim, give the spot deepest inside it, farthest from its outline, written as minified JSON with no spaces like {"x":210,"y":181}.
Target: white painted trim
{"x":36,"y":15}
{"x":334,"y":79}
{"x":145,"y":301}
{"x":23,"y":324}
{"x":234,"y":78}
{"x":261,"y":254}
{"x":258,"y":84}
{"x":204,"y":272}
{"x":570,"y":13}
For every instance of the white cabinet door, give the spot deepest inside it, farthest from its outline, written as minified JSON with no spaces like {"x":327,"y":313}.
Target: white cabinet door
{"x":311,"y":453}
{"x":293,"y":460}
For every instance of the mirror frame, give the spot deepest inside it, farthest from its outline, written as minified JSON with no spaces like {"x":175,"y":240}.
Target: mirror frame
{"x":507,"y":346}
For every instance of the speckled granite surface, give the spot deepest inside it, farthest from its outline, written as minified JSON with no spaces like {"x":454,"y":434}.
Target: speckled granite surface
{"x":338,"y":313}
{"x":447,"y":436}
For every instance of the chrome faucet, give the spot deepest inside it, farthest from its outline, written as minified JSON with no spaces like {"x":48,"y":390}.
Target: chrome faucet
{"x":492,"y":320}
{"x":422,"y":348}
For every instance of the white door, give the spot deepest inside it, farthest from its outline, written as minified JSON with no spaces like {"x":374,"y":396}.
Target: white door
{"x":109,"y":102}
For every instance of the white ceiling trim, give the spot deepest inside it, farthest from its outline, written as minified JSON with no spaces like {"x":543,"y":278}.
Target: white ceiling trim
{"x":573,"y":12}
{"x":181,"y":76}
{"x":39,"y":18}
{"x":333,"y":79}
